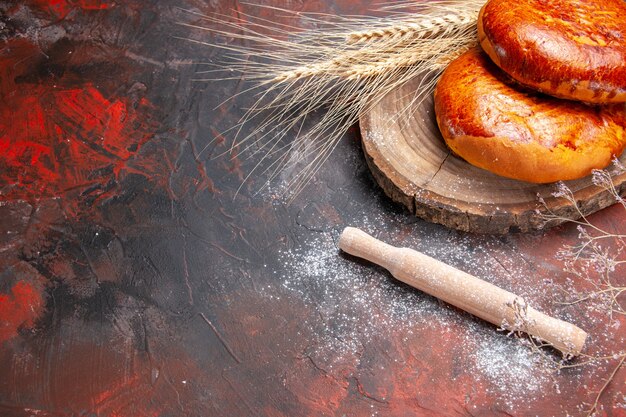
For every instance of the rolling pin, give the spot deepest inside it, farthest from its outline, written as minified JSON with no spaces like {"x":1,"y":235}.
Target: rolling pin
{"x":465,"y":291}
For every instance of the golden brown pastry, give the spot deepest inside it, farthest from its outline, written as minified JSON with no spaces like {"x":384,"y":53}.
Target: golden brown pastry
{"x":521,"y":134}
{"x":573,"y":49}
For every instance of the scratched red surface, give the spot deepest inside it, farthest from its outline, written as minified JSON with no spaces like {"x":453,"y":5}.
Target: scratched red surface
{"x":134,"y":281}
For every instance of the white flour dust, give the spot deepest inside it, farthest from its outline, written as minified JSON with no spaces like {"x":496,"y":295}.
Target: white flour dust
{"x":356,"y":302}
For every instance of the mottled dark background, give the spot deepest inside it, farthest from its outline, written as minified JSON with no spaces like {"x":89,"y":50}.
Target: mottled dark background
{"x":135,"y":282}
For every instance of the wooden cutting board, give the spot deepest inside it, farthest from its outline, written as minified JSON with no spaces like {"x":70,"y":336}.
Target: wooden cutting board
{"x":410,"y":161}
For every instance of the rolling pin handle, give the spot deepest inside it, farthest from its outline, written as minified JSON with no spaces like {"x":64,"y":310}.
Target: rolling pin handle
{"x":360,"y":244}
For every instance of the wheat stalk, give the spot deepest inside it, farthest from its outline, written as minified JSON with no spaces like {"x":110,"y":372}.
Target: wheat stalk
{"x":437,"y":26}
{"x":345,"y":66}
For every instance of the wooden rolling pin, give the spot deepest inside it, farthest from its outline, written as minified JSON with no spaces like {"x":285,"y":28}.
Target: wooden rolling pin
{"x":464,"y":291}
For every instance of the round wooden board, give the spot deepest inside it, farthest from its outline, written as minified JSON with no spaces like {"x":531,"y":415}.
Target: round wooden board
{"x":410,"y":161}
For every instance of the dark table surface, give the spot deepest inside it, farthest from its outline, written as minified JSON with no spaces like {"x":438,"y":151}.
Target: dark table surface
{"x":134,"y":281}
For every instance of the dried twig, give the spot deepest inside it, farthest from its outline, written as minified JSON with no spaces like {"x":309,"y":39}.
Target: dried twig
{"x":537,"y":346}
{"x":594,"y":407}
{"x":599,"y":252}
{"x":594,"y":260}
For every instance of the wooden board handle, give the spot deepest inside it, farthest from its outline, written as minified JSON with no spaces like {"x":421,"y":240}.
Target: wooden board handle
{"x":464,"y":291}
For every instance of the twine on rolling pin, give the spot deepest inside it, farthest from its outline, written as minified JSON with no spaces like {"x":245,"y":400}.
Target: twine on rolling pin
{"x":465,"y":291}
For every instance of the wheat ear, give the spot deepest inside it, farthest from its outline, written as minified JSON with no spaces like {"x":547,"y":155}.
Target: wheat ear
{"x":345,"y":67}
{"x":437,"y":26}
